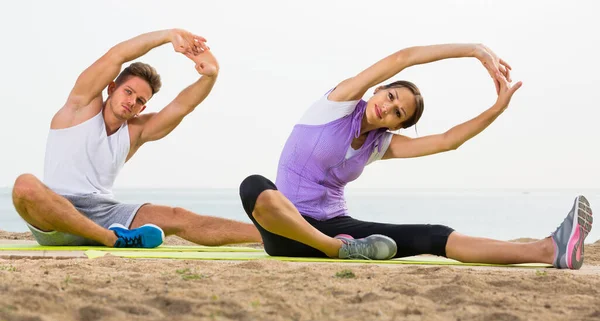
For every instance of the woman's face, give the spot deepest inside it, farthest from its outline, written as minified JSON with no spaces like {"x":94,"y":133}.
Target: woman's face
{"x":389,"y":108}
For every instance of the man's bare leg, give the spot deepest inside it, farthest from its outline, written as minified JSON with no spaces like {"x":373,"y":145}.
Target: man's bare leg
{"x":199,"y":229}
{"x":48,"y":211}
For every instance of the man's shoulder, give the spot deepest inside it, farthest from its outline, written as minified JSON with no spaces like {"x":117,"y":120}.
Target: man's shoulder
{"x":136,"y":125}
{"x":69,"y":116}
{"x":140,"y":120}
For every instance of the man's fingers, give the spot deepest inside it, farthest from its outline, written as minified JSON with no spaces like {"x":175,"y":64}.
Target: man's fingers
{"x":188,"y":42}
{"x":199,"y":38}
{"x":201,"y":44}
{"x":182,"y":47}
{"x":191,"y":42}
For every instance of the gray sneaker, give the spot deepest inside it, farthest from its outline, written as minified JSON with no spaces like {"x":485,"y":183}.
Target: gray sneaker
{"x":569,"y":236}
{"x":373,"y":247}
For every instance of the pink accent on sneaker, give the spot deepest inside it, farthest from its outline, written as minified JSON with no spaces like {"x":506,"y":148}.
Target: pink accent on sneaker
{"x":579,"y":253}
{"x":555,"y":248}
{"x":573,"y":241}
{"x":346,"y":236}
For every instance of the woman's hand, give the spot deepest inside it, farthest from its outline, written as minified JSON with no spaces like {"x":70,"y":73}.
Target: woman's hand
{"x":506,"y":91}
{"x":494,"y":65}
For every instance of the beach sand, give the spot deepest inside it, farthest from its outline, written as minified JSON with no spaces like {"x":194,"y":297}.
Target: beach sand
{"x":112,"y":288}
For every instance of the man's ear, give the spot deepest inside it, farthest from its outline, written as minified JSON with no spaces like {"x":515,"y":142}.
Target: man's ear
{"x":111,"y":88}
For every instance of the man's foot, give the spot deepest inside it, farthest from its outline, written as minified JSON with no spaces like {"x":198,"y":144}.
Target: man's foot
{"x":146,"y":236}
{"x":569,"y":236}
{"x":373,"y":247}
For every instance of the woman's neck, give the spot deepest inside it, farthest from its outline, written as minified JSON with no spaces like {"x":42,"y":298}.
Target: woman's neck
{"x":365,"y":127}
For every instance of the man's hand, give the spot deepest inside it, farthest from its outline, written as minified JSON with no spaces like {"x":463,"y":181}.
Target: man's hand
{"x":206,"y":63}
{"x":186,"y":42}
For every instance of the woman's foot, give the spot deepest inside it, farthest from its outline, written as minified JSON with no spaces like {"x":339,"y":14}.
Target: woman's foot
{"x":373,"y":247}
{"x":569,"y":236}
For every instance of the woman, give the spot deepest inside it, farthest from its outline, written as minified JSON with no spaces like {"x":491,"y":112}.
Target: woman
{"x":304,"y":213}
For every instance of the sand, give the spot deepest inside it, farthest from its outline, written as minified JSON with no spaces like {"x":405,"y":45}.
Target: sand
{"x":112,"y":288}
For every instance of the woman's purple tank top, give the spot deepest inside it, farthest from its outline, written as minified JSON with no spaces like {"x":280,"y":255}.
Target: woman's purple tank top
{"x":313,"y":169}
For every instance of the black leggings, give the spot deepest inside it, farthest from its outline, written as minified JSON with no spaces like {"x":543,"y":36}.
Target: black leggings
{"x":410,"y":239}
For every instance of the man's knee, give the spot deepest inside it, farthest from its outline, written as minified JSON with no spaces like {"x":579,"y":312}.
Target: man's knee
{"x":26,"y":187}
{"x":170,"y":219}
{"x":256,"y":190}
{"x":29,"y":189}
{"x":180,"y":217}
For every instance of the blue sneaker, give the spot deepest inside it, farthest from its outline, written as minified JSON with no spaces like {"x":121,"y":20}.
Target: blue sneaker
{"x":372,"y":247}
{"x":569,"y":236}
{"x":145,"y":236}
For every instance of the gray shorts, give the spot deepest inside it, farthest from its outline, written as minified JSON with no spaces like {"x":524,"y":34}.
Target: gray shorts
{"x":102,"y":210}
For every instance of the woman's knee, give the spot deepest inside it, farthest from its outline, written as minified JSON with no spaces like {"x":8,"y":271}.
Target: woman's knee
{"x":256,"y":190}
{"x":439,"y":238}
{"x":267,"y":201}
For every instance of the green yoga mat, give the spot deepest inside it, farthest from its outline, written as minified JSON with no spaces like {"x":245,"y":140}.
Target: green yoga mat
{"x":162,"y":248}
{"x":261,"y":255}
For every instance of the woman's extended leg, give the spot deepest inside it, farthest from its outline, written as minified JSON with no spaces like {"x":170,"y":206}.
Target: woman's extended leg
{"x":563,"y":249}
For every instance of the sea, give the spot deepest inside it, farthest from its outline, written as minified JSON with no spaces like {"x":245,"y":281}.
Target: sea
{"x":503,"y":214}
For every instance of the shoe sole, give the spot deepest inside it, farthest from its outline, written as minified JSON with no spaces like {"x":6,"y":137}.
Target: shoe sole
{"x":582,"y":225}
{"x":162,"y":234}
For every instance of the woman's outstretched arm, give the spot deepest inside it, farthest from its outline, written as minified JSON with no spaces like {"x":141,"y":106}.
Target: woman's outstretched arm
{"x":405,"y":147}
{"x":355,"y":87}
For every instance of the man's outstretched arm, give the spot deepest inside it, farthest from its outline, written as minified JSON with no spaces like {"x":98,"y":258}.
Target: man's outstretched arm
{"x":158,"y":125}
{"x":95,"y":78}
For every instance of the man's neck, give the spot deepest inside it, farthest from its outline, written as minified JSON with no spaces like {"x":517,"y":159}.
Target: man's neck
{"x":111,"y":122}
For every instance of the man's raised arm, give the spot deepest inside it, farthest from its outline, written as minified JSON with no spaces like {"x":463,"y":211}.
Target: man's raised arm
{"x":159,"y":125}
{"x":95,"y":78}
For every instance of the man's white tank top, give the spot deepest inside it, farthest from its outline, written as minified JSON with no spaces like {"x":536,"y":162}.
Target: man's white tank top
{"x":83,"y":160}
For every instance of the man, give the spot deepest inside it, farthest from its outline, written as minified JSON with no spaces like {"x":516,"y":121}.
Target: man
{"x":89,"y":141}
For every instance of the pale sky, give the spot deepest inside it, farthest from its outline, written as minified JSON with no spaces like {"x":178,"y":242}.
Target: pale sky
{"x":277,"y":57}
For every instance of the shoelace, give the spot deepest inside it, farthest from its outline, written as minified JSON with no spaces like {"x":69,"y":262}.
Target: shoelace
{"x":135,"y":241}
{"x":562,"y":223}
{"x":356,"y":248}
